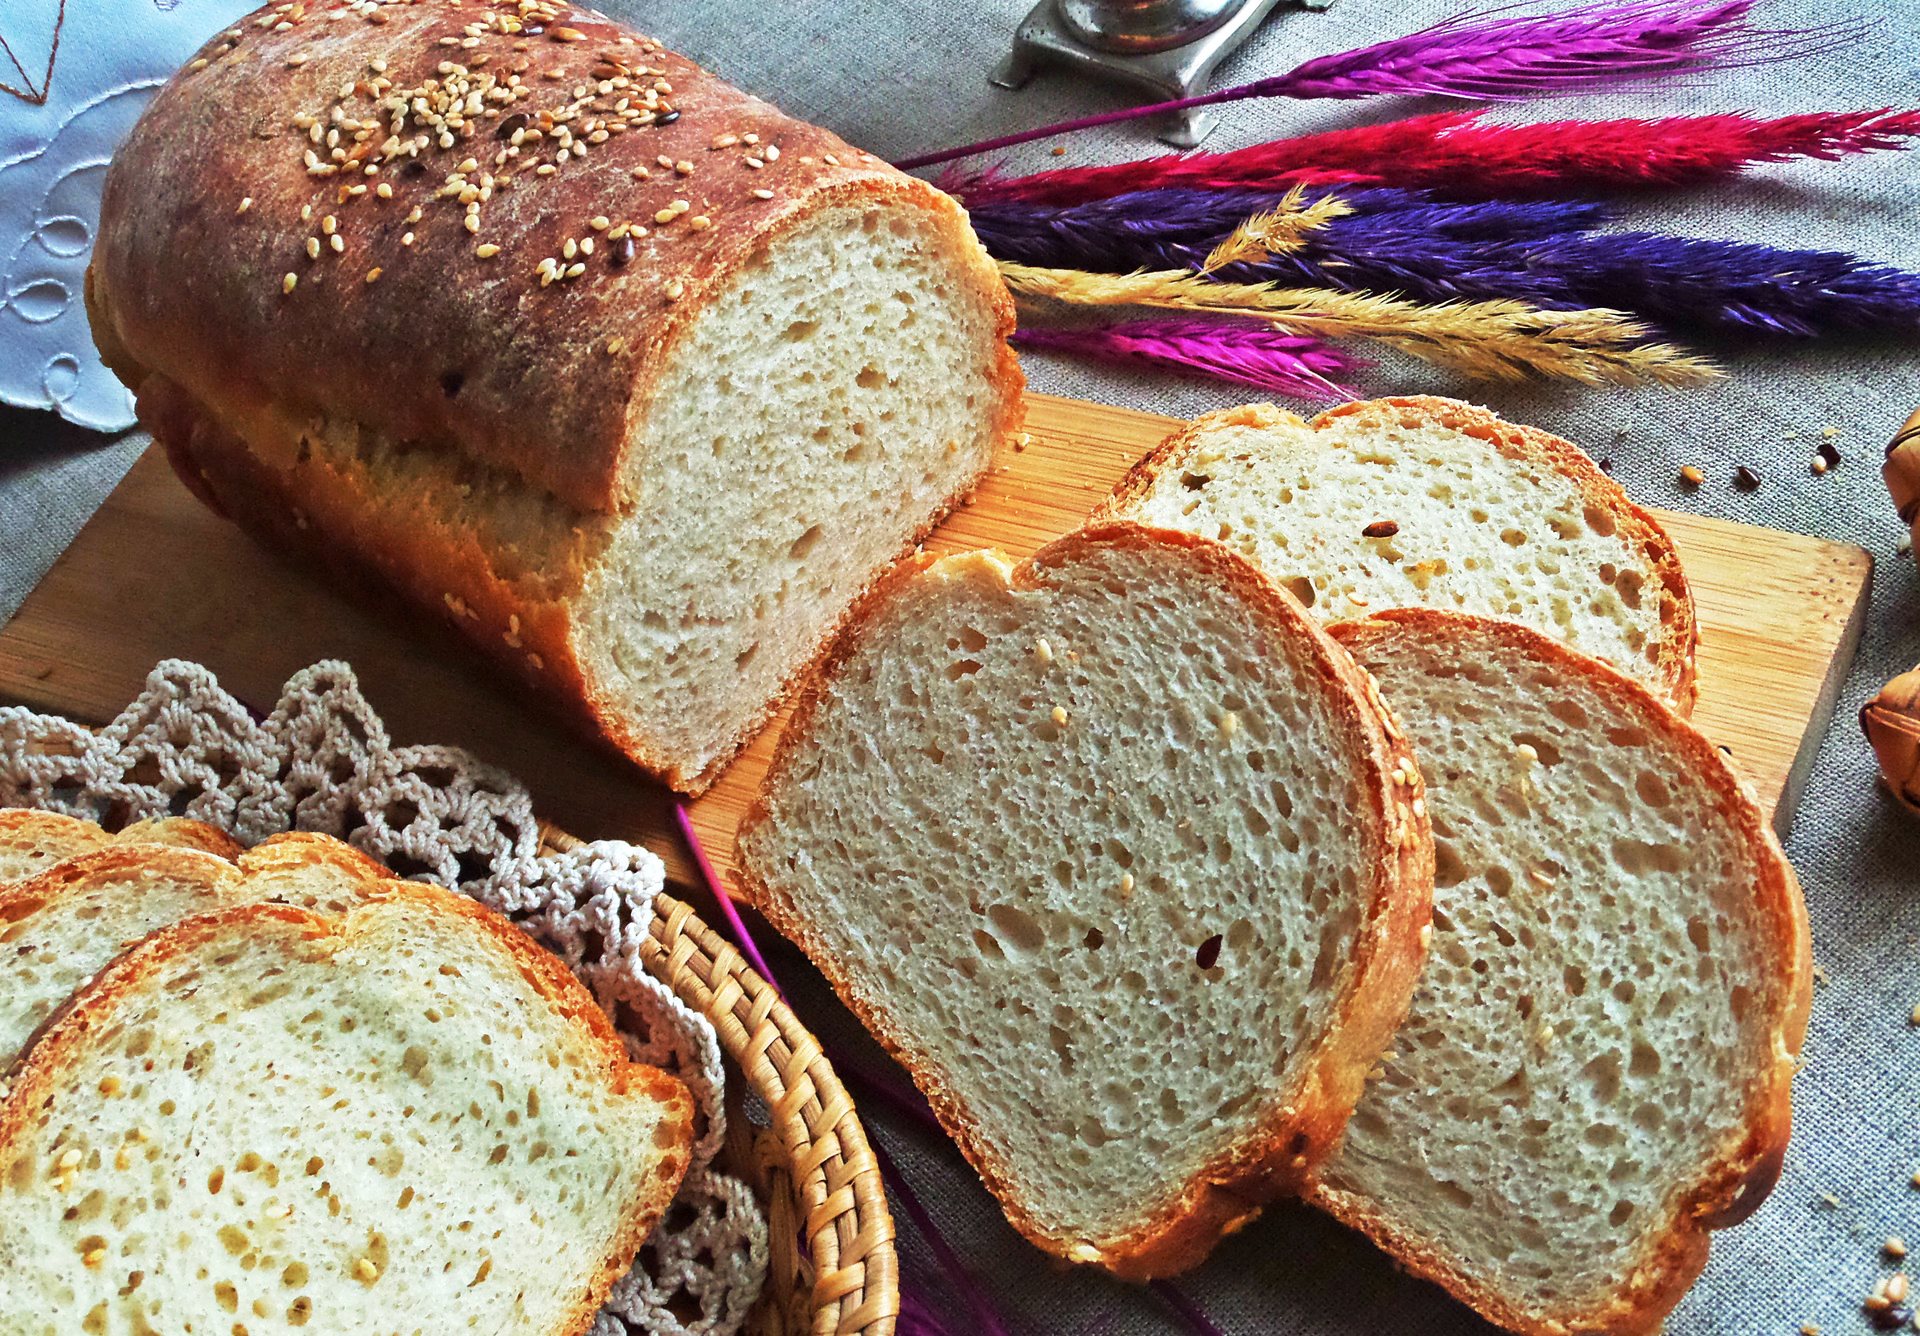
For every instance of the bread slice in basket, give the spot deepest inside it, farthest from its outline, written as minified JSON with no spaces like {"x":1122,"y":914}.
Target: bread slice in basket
{"x":405,"y":1118}
{"x":1429,"y":502}
{"x":57,"y":930}
{"x":1119,"y":855}
{"x":1595,"y":1072}
{"x":31,"y":841}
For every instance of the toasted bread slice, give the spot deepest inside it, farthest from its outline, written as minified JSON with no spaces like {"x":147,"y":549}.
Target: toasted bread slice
{"x":1596,"y":1068}
{"x":404,"y":1118}
{"x":1427,"y":502}
{"x":1120,"y":856}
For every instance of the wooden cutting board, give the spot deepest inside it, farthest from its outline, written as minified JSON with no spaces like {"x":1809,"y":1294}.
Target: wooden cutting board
{"x":154,"y":575}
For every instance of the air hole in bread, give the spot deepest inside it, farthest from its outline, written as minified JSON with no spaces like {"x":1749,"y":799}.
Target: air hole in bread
{"x":452,"y":382}
{"x":804,"y":544}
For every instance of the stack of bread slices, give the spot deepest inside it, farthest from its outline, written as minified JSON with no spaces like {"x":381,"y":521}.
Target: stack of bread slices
{"x":1323,"y":818}
{"x":276,"y":1088}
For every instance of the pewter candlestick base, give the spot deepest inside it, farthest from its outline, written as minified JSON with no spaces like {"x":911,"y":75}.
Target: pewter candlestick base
{"x":1167,"y":47}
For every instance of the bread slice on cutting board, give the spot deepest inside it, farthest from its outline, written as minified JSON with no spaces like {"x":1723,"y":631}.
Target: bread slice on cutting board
{"x":1119,"y":855}
{"x":405,"y":1118}
{"x":1429,"y":502}
{"x":1595,"y":1071}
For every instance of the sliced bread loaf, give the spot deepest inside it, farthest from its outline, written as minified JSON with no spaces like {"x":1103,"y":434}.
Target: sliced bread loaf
{"x":1426,"y":502}
{"x":1120,"y":856}
{"x":405,"y":1119}
{"x":1596,"y":1068}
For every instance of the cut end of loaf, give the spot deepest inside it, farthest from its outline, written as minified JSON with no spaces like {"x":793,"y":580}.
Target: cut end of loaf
{"x":1125,"y":816}
{"x":813,"y":423}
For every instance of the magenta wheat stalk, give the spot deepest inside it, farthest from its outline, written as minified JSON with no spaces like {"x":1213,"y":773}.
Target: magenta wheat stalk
{"x":1236,"y":351}
{"x":1488,"y":58}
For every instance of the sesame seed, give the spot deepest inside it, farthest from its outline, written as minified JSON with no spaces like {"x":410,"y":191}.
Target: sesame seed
{"x":1692,"y":476}
{"x":586,"y":245}
{"x":750,"y":138}
{"x":756,"y":163}
{"x":699,"y":222}
{"x":571,"y":249}
{"x":599,"y":222}
{"x":1042,"y":650}
{"x":773,"y":153}
{"x":726,"y":141}
{"x":94,"y":1257}
{"x":296,"y":60}
{"x":1058,"y":714}
{"x":365,"y":1269}
{"x":1126,"y":883}
{"x":245,"y":204}
{"x":1894,"y":1247}
{"x":486,"y":250}
{"x":288,"y":282}
{"x":830,"y":159}
{"x":69,"y":1159}
{"x":329,"y":224}
{"x":665,"y":216}
{"x":566,"y":35}
{"x":683,"y":167}
{"x":313,"y":248}
{"x":406,"y":238}
{"x":641,"y":173}
{"x":763,"y":194}
{"x":471,"y":222}
{"x":337,"y":242}
{"x":373,"y":274}
{"x":1229,"y":723}
{"x":675,"y":289}
{"x":576,"y":269}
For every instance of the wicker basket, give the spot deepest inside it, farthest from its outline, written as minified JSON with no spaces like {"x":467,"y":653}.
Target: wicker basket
{"x":831,"y":1267}
{"x":1902,"y":473}
{"x":831,"y":1264}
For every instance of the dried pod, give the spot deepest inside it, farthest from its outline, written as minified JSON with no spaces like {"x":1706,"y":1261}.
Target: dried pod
{"x":1891,"y":721}
{"x":1902,"y":473}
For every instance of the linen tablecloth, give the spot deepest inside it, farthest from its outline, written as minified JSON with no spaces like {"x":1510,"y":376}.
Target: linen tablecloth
{"x":898,"y":76}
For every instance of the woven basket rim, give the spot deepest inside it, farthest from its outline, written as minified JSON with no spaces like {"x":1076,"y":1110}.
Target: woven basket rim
{"x":836,"y":1178}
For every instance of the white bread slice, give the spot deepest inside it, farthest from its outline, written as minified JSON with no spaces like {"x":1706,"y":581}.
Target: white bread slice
{"x":59,"y":929}
{"x":31,"y":841}
{"x":407,"y":1119}
{"x":1596,"y":1068}
{"x":1108,"y":849}
{"x":1429,"y":502}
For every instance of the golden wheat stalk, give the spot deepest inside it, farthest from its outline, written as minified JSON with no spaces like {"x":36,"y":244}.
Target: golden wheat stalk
{"x":1490,"y":340}
{"x":1281,"y":230}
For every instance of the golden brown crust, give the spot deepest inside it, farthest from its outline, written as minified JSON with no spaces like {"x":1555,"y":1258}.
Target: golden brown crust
{"x":36,"y":1075}
{"x":1678,"y":619}
{"x":1377,"y":990}
{"x":182,"y":833}
{"x":1731,"y":1187}
{"x":472,"y":359}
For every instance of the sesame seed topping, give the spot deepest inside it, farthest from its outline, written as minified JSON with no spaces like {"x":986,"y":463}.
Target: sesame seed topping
{"x":1058,"y":714}
{"x":373,"y":274}
{"x":675,"y":289}
{"x":337,"y":242}
{"x":699,"y":222}
{"x":329,"y":224}
{"x":313,"y":248}
{"x":756,"y":163}
{"x":296,"y":60}
{"x":575,"y":269}
{"x":288,"y":282}
{"x":599,"y":222}
{"x":683,"y":167}
{"x":486,"y":250}
{"x":763,"y":194}
{"x":406,"y":238}
{"x":665,"y":216}
{"x":571,"y":249}
{"x":245,"y":204}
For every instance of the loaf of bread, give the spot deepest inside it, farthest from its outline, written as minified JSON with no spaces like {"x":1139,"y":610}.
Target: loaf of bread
{"x":1123,"y":860}
{"x":405,"y":1119}
{"x":1428,"y":502}
{"x":1595,"y":1072}
{"x":634,"y":379}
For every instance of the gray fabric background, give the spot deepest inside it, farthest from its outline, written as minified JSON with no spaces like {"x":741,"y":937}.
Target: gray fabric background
{"x":904,"y":75}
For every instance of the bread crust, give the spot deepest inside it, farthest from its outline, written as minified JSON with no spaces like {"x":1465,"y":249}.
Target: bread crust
{"x":38,"y":1072}
{"x":182,"y":833}
{"x":533,"y":388}
{"x":56,"y":835}
{"x":1678,"y":620}
{"x":1733,"y":1185}
{"x":1308,"y":1121}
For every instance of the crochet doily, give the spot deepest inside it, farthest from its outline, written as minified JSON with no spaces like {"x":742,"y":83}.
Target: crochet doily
{"x":322,"y":761}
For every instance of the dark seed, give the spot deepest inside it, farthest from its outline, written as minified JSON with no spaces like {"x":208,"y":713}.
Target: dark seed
{"x":532,"y":29}
{"x":667,"y":117}
{"x":1830,"y":452}
{"x":1891,"y":1318}
{"x":414,"y":167}
{"x":621,"y":253}
{"x":1380,"y":529}
{"x":1209,"y":952}
{"x":1745,"y":478}
{"x":1606,"y":465}
{"x":517,"y":121}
